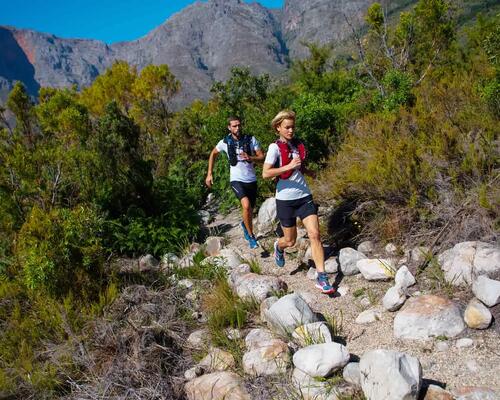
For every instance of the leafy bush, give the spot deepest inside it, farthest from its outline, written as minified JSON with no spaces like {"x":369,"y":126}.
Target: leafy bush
{"x":61,"y":251}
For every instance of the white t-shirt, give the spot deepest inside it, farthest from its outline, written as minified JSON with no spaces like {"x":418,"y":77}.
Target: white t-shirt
{"x":294,"y":187}
{"x":243,"y":171}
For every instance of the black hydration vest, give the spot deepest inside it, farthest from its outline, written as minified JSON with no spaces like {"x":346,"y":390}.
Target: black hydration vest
{"x":245,"y":144}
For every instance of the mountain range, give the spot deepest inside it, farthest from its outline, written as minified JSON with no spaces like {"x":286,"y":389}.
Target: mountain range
{"x":200,"y":44}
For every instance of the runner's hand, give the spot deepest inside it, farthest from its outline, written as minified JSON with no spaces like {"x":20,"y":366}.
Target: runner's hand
{"x":244,"y":156}
{"x":295,"y":163}
{"x":209,"y":181}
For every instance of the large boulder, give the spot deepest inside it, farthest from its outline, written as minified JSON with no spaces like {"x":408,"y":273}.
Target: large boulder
{"x":348,"y":259}
{"x":271,"y":357}
{"x":466,"y":260}
{"x":428,"y":316}
{"x":227,"y":258}
{"x":390,"y":375}
{"x":267,"y":216}
{"x":487,"y":290}
{"x":288,"y":313}
{"x":320,"y":360}
{"x":217,"y":386}
{"x":257,"y":287}
{"x":376,"y":269}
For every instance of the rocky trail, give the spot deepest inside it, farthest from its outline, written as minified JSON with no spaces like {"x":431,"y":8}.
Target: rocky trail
{"x":452,"y":354}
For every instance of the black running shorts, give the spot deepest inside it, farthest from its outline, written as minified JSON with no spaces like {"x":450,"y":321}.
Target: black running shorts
{"x":289,"y":210}
{"x":243,"y":189}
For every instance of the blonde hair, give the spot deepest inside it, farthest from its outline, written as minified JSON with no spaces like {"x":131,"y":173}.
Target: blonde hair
{"x":281,"y":116}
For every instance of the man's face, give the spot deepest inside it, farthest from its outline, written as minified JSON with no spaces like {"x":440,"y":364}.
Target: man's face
{"x":234,"y":127}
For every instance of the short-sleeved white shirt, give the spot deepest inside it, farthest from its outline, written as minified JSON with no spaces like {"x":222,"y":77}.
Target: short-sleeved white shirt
{"x":243,"y":171}
{"x":292,"y":188}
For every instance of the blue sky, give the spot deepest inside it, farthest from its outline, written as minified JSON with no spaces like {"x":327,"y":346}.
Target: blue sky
{"x":107,"y":20}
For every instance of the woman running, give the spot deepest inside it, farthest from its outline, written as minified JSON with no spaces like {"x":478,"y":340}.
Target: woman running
{"x":285,"y":161}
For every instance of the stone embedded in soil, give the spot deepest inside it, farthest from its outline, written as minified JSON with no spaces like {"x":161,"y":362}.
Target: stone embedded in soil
{"x":366,"y":247}
{"x":213,"y":245}
{"x":257,"y":287}
{"x":376,"y":269}
{"x":464,"y":342}
{"x":475,"y":393}
{"x":257,"y":336}
{"x":199,"y":339}
{"x":477,"y":315}
{"x":217,"y":360}
{"x":434,"y":392}
{"x":387,"y":374}
{"x":428,"y":316}
{"x":320,"y":360}
{"x":217,"y":386}
{"x":369,"y":316}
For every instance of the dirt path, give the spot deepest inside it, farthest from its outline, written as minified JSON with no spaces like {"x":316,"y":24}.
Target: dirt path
{"x":478,"y":365}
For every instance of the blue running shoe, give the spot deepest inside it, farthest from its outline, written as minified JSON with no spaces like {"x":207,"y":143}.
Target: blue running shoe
{"x":323,"y":284}
{"x":279,"y":255}
{"x":253,"y":242}
{"x":245,"y":232}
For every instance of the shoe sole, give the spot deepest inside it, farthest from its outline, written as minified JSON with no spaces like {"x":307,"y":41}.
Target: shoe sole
{"x":329,"y":291}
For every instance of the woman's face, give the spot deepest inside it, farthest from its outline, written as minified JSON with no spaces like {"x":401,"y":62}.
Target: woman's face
{"x":286,"y":129}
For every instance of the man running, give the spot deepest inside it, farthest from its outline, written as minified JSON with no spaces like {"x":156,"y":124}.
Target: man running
{"x":241,"y":150}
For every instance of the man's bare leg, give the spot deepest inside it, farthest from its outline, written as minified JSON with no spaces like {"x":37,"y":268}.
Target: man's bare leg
{"x":247,"y":214}
{"x":311,"y":224}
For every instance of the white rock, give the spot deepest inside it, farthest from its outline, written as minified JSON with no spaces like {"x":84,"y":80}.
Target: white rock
{"x":376,"y":269}
{"x":366,"y":247}
{"x":217,"y":360}
{"x":313,"y":333}
{"x":348,"y":259}
{"x":420,"y":254}
{"x":319,"y":360}
{"x":390,"y":375}
{"x":257,"y":287}
{"x":351,"y":374}
{"x":368,"y":316}
{"x":441,"y":346}
{"x":393,"y":299}
{"x":227,"y":258}
{"x":269,"y":358}
{"x":148,"y":263}
{"x":289,"y":312}
{"x":185,"y":283}
{"x":213,"y":245}
{"x":193,"y":372}
{"x":331,"y":265}
{"x":477,"y":316}
{"x":307,"y":387}
{"x":404,"y":278}
{"x":466,"y":260}
{"x":237,"y":273}
{"x":233,"y":334}
{"x":464,"y":342}
{"x":267,"y":216}
{"x":472,"y":365}
{"x":428,"y":316}
{"x":312,"y":274}
{"x":199,"y":339}
{"x":391,"y":249}
{"x":217,"y":386}
{"x":343,"y":290}
{"x":487,"y":290}
{"x":257,"y":336}
{"x":169,"y":260}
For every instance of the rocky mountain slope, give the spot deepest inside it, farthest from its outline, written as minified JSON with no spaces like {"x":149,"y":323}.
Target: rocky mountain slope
{"x":200,"y":44}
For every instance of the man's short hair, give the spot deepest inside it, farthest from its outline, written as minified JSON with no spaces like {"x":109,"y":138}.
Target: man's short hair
{"x":232,"y":118}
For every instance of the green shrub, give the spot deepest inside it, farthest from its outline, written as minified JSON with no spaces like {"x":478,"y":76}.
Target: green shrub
{"x":61,"y":251}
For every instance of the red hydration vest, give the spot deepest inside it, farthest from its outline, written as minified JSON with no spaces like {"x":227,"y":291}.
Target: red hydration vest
{"x":286,"y":155}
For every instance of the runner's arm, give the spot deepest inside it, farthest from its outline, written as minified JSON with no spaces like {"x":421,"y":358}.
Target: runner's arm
{"x":269,"y":172}
{"x":213,"y":155}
